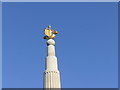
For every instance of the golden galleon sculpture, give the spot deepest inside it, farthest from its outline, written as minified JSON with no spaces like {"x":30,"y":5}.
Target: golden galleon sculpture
{"x":49,"y":33}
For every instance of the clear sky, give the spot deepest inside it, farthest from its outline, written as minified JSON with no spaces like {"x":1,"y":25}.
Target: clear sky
{"x":86,"y":45}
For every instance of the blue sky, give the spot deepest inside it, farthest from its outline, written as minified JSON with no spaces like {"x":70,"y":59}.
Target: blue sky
{"x":86,"y":45}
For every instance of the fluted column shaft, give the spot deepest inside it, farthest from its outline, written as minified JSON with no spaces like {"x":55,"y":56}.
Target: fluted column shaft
{"x":51,"y":74}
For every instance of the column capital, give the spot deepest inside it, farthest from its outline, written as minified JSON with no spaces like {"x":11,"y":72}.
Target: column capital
{"x":50,"y":42}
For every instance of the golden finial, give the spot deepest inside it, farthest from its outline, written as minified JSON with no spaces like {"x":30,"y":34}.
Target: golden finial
{"x":49,"y":33}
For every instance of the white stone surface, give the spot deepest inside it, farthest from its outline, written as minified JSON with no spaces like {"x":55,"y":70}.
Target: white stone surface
{"x":51,"y":74}
{"x":51,"y":42}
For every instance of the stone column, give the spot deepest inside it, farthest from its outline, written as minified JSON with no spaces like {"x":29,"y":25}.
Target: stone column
{"x":51,"y":74}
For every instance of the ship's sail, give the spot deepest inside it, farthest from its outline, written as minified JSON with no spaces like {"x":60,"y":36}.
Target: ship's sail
{"x":48,"y":32}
